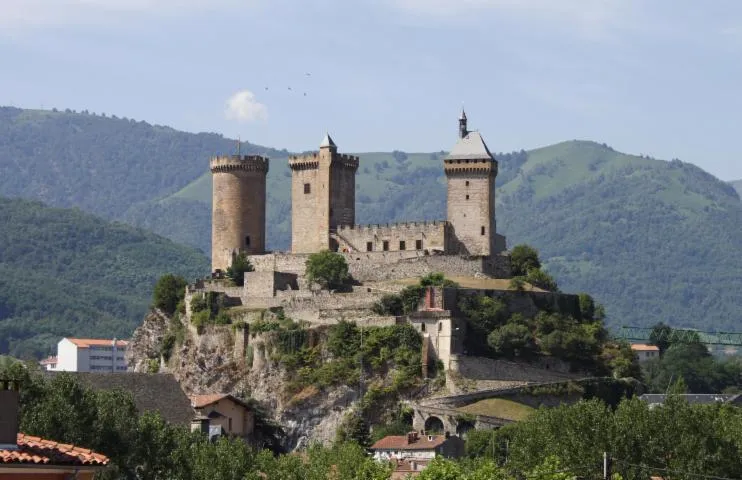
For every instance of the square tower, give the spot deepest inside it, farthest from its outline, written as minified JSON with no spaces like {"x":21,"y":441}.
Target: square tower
{"x":471,"y":171}
{"x":323,"y":197}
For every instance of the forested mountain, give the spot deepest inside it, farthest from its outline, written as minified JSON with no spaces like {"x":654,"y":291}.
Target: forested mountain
{"x":652,"y":240}
{"x":64,"y":272}
{"x":737,"y":184}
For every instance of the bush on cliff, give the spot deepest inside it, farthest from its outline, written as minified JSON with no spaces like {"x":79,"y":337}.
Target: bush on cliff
{"x":327,"y":269}
{"x":524,"y":258}
{"x":236,"y":271}
{"x":168,"y":292}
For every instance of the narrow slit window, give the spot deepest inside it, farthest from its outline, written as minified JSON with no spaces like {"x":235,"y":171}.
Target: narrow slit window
{"x":369,"y":246}
{"x":247,"y":241}
{"x":307,"y":188}
{"x":467,"y":183}
{"x":484,"y":230}
{"x":418,"y":244}
{"x":402,"y":245}
{"x":386,"y":245}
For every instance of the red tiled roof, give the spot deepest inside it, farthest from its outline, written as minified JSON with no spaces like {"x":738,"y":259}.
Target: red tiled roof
{"x":643,"y":347}
{"x":97,"y":342}
{"x":35,"y":450}
{"x":200,"y":401}
{"x":49,"y":361}
{"x":399,"y":442}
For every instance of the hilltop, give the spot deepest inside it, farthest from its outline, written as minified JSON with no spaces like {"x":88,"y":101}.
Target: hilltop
{"x":64,"y":272}
{"x":652,"y":240}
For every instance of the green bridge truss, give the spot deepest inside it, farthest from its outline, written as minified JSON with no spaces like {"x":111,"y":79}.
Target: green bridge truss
{"x":682,"y":335}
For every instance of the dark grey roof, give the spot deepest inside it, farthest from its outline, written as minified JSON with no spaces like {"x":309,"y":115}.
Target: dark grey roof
{"x":470,"y":147}
{"x":152,"y":392}
{"x":695,"y":398}
{"x":327,"y":142}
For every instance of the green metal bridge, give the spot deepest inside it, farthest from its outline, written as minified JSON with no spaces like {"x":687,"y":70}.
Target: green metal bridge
{"x":681,"y":335}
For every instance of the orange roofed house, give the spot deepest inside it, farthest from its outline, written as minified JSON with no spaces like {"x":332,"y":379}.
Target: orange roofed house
{"x":23,"y":457}
{"x":91,"y":355}
{"x":226,"y":414}
{"x":411,"y":453}
{"x":645,"y":352}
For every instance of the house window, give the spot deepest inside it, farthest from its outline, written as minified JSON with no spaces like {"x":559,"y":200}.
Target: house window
{"x":467,"y":197}
{"x":483,"y":230}
{"x":230,"y":425}
{"x":369,"y":246}
{"x":418,"y":244}
{"x":402,"y":245}
{"x":386,"y":245}
{"x":307,"y":188}
{"x":247,"y":241}
{"x":467,"y":183}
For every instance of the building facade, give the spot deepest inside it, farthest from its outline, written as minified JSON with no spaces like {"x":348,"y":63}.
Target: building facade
{"x":645,"y":352}
{"x":227,"y":413}
{"x":238,"y":207}
{"x":91,"y":355}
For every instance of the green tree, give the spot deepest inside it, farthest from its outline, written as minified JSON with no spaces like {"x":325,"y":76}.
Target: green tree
{"x":328,"y":269}
{"x":512,"y":339}
{"x":168,"y":292}
{"x":354,"y":429}
{"x":524,"y":258}
{"x":587,"y":306}
{"x":661,"y":336}
{"x":541,"y":279}
{"x":236,"y":271}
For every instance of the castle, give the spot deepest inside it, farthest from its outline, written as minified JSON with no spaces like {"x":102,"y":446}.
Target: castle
{"x":382,"y":259}
{"x":323,"y":208}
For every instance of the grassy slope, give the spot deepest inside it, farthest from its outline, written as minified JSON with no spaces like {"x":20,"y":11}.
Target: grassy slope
{"x":499,"y":408}
{"x":64,"y":272}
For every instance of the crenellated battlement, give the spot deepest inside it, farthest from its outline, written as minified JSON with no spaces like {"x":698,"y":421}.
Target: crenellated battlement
{"x":311,"y":161}
{"x":393,"y":226}
{"x":251,"y":163}
{"x":464,"y":166}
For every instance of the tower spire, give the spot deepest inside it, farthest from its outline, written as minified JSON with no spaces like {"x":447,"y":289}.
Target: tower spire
{"x":462,"y":123}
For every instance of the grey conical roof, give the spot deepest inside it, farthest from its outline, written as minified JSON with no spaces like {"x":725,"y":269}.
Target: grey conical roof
{"x":327,"y":142}
{"x":470,"y":147}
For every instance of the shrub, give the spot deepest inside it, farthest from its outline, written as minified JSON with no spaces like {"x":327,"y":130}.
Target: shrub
{"x":523,"y":258}
{"x":513,"y":338}
{"x":236,"y":271}
{"x":328,"y":269}
{"x":587,"y":306}
{"x":437,"y":279}
{"x":541,"y":279}
{"x":517,"y":283}
{"x":168,"y":342}
{"x":199,"y":303}
{"x":168,"y":292}
{"x":411,"y":298}
{"x":389,"y":304}
{"x":200,"y":320}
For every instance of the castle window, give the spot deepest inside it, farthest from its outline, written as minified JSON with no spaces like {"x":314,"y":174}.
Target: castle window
{"x":422,"y":327}
{"x":440,"y":326}
{"x":483,"y":230}
{"x":386,"y":245}
{"x":307,"y":188}
{"x":467,"y":197}
{"x":247,"y":241}
{"x":402,"y":245}
{"x":467,"y":183}
{"x":418,"y":244}
{"x":369,"y":246}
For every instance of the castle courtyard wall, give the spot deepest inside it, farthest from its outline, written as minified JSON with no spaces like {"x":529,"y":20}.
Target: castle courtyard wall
{"x":394,"y":237}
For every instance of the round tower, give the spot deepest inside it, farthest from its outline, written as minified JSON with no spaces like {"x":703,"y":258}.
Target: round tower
{"x":238,"y":207}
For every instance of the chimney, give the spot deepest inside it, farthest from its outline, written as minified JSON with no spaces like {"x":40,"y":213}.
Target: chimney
{"x":9,"y":403}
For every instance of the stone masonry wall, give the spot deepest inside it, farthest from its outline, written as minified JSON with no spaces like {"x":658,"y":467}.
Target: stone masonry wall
{"x":305,"y":190}
{"x":381,"y":266}
{"x":238,"y":207}
{"x":393,"y":237}
{"x":471,"y":210}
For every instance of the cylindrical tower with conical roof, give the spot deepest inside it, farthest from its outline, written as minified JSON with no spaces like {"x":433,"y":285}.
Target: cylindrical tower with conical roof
{"x":238,"y":207}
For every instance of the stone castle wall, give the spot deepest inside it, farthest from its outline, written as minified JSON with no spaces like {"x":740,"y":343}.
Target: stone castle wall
{"x":471,"y":210}
{"x":306,"y":181}
{"x":394,"y":237}
{"x":384,"y":266}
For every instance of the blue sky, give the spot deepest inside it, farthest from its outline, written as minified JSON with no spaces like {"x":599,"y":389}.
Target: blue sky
{"x":656,"y":77}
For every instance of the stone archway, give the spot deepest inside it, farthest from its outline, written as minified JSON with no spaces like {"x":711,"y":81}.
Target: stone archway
{"x":434,"y":425}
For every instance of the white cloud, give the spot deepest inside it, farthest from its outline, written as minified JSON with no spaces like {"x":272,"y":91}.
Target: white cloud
{"x":243,"y":107}
{"x":18,"y":14}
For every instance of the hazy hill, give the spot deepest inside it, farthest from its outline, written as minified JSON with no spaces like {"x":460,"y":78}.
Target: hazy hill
{"x":653,"y":240}
{"x":64,"y":272}
{"x":737,"y":184}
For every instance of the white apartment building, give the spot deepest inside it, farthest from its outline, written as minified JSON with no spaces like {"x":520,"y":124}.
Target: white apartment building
{"x":91,"y":355}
